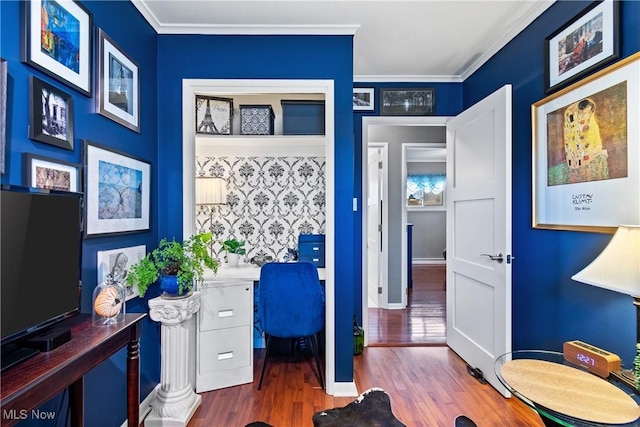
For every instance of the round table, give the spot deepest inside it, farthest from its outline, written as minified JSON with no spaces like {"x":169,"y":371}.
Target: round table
{"x":565,"y":394}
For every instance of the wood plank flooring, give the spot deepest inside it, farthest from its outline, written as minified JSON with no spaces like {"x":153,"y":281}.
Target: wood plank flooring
{"x":428,"y":387}
{"x":423,"y":322}
{"x":427,"y":382}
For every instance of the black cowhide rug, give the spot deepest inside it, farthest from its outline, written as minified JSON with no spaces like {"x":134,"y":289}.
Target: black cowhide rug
{"x":371,"y":409}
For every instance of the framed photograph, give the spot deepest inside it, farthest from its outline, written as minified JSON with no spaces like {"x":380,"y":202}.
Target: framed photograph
{"x":51,"y":174}
{"x":57,"y":41}
{"x":407,"y":102}
{"x":363,"y":98}
{"x":3,"y":111}
{"x":586,"y":152}
{"x":50,"y":114}
{"x":589,"y":41}
{"x":213,"y":115}
{"x":117,"y":191}
{"x":118,"y":84}
{"x":117,"y":262}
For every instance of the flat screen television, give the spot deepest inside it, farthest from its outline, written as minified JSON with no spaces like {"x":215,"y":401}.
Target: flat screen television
{"x":40,"y":266}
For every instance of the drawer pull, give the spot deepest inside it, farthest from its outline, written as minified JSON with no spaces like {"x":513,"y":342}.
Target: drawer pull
{"x":225,"y":313}
{"x":225,"y":355}
{"x":316,"y":248}
{"x":316,"y":259}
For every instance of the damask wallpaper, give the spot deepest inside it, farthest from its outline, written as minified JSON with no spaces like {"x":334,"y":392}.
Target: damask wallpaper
{"x":270,"y":201}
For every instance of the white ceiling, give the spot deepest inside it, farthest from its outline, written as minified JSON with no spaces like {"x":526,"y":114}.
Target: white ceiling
{"x":395,"y":40}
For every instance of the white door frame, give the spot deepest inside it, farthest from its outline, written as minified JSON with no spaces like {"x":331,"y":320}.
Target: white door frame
{"x":191,"y":87}
{"x":383,"y":260}
{"x":405,"y":240}
{"x":391,"y":121}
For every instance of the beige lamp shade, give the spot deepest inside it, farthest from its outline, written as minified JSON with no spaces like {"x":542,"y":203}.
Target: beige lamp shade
{"x":618,"y":266}
{"x":211,"y":191}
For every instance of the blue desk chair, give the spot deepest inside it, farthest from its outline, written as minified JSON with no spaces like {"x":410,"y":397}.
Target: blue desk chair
{"x":291,"y":305}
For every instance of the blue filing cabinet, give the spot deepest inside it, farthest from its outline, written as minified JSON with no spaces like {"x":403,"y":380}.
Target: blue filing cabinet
{"x":410,"y":255}
{"x":311,"y":248}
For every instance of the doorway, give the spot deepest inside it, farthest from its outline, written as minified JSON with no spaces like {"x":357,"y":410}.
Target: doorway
{"x":394,"y":280}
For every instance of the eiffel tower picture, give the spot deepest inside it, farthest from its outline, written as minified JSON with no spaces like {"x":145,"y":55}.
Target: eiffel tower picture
{"x":207,"y":125}
{"x":213,"y":115}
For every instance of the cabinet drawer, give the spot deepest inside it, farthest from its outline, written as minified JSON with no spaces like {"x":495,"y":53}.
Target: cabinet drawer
{"x":225,"y":305}
{"x":224,"y":349}
{"x":312,"y":253}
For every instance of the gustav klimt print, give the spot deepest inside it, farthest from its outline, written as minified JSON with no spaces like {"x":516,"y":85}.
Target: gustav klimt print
{"x":587,"y":140}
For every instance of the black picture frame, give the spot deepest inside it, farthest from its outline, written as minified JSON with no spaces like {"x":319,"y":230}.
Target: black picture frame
{"x":117,"y":191}
{"x":51,"y":174}
{"x":214,"y":115}
{"x":584,"y":44}
{"x":59,"y":48}
{"x":118,"y":91}
{"x":50,"y":114}
{"x":407,"y":102}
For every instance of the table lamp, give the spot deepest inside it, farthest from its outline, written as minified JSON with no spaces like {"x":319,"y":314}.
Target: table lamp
{"x":211,"y":191}
{"x":617,"y":268}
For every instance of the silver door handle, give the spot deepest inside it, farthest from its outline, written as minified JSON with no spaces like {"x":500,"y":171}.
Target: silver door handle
{"x":498,"y":257}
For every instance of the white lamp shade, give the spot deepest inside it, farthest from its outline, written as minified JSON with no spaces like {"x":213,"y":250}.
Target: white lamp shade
{"x":211,"y":191}
{"x":618,"y":266}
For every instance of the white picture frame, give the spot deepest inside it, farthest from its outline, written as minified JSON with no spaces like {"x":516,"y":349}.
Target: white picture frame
{"x":363,"y":99}
{"x":118,"y":84}
{"x":117,"y":263}
{"x":77,"y":24}
{"x":117,"y":191}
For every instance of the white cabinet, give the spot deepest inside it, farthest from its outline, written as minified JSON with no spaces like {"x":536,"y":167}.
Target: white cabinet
{"x":224,"y":342}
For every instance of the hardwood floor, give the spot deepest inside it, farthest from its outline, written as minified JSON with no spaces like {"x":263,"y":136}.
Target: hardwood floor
{"x":428,"y":387}
{"x":427,"y":382}
{"x":423,"y":322}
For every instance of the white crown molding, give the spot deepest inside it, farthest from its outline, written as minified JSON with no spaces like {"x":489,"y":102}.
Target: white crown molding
{"x":224,"y":29}
{"x":406,"y":78}
{"x":540,"y":6}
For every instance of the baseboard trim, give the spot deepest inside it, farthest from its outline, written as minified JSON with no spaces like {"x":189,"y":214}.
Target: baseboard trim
{"x":145,"y":406}
{"x":396,"y":306}
{"x":345,"y":389}
{"x":419,"y":261}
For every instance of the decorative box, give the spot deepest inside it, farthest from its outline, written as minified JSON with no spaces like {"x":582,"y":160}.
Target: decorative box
{"x":311,"y":248}
{"x":256,"y":120}
{"x":302,"y":117}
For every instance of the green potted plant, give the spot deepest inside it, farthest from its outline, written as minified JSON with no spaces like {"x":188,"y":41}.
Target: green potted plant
{"x":176,"y":265}
{"x":234,"y":248}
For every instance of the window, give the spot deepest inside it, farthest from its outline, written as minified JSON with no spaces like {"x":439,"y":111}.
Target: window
{"x":426,"y":190}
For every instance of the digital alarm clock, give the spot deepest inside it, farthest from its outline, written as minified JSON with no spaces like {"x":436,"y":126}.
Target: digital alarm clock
{"x":593,"y":359}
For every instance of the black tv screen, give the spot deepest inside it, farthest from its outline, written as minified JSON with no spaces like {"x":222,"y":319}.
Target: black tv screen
{"x":41,"y":233}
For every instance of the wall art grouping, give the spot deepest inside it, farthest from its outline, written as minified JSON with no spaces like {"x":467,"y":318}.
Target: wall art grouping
{"x":270,"y":201}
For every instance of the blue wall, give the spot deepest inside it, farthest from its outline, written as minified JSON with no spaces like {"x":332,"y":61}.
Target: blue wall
{"x":548,"y":307}
{"x":267,"y":57}
{"x":105,"y":386}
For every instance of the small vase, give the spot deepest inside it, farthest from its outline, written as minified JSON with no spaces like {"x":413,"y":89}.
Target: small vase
{"x":170,"y":288}
{"x":233,"y":260}
{"x":108,"y":303}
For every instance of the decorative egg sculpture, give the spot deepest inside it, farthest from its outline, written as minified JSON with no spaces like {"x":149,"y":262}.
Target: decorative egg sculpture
{"x":108,"y":303}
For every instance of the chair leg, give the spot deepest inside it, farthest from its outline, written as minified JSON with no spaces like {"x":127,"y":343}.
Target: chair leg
{"x":313,"y":341}
{"x":264,"y":362}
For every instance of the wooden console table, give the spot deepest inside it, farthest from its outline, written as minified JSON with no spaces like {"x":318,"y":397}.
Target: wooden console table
{"x":28,"y":385}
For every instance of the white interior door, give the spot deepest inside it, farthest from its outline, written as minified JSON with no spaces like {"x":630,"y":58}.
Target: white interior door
{"x":479,"y":233}
{"x":374,"y":226}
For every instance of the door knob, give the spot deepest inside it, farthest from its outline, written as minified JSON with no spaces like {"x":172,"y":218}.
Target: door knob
{"x":498,"y":257}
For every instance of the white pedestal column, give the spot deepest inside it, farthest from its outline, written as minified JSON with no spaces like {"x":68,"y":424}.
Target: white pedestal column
{"x":176,"y":400}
